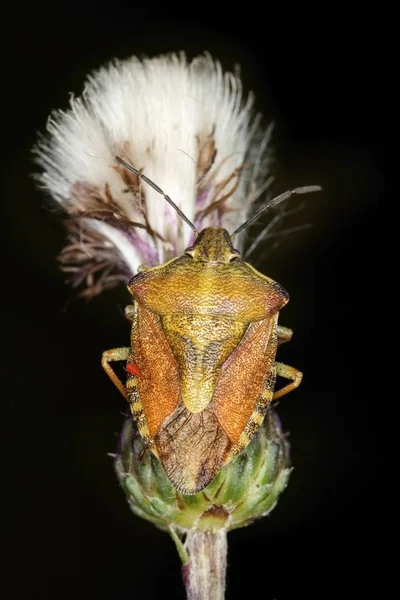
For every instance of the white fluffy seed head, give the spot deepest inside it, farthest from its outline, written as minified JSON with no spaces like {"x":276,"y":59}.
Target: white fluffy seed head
{"x":186,"y":126}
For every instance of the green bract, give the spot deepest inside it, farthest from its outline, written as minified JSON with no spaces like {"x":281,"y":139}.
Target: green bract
{"x":245,"y":489}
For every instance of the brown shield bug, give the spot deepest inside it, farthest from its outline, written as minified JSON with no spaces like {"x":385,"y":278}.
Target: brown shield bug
{"x":201,"y":365}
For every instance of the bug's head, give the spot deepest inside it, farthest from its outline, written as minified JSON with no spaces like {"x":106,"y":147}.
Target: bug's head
{"x":213,"y":245}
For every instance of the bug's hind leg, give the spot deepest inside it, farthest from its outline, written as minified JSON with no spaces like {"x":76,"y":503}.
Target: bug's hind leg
{"x":289,"y":373}
{"x":110,"y":356}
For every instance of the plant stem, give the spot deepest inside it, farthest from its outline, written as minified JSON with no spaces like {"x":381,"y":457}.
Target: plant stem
{"x":204,"y":574}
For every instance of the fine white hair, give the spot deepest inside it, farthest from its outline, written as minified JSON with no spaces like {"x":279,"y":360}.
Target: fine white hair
{"x":185,"y":125}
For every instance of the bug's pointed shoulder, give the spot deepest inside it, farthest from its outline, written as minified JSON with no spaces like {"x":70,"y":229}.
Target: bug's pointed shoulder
{"x":147,"y":274}
{"x":279,"y":295}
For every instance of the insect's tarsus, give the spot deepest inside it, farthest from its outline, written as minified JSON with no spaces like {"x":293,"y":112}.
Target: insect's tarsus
{"x":300,"y":190}
{"x":157,"y":189}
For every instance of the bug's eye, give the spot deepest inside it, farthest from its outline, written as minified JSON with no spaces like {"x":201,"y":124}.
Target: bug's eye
{"x":189,"y":251}
{"x":235,"y":254}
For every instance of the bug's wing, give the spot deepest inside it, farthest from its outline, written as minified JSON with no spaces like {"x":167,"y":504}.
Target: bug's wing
{"x":192,"y":448}
{"x":245,"y":385}
{"x":158,"y":381}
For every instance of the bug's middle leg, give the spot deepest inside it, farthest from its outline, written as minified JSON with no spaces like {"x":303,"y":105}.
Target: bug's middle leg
{"x":112,"y":355}
{"x":289,"y":373}
{"x":284,"y":334}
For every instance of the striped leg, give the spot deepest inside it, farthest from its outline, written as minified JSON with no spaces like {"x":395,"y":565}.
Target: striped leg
{"x":289,"y":373}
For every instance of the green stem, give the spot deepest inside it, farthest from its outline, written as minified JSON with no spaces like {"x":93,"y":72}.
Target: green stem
{"x":204,"y":574}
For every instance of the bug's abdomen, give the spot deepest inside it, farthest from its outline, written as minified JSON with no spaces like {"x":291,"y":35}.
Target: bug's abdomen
{"x":200,"y":345}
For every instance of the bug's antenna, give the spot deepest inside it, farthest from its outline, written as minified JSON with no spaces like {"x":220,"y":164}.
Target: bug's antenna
{"x":159,"y":190}
{"x":300,"y":190}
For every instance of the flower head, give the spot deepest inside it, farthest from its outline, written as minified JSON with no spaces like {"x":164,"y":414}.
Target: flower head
{"x":186,"y":126}
{"x":245,"y":489}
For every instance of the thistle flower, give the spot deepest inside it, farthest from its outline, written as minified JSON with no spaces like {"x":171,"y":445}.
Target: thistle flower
{"x":244,"y":490}
{"x":186,"y":126}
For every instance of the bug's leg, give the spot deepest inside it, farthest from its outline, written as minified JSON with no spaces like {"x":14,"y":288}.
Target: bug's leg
{"x":289,"y":373}
{"x":130,"y":312}
{"x":110,"y":356}
{"x":284,"y":334}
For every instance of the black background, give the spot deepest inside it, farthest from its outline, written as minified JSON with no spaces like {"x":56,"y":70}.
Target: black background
{"x":69,"y":532}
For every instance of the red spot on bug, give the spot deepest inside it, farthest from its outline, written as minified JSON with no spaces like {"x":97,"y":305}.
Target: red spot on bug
{"x":133,"y":369}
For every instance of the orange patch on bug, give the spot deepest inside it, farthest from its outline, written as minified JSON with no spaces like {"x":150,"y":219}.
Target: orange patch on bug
{"x":159,"y":390}
{"x":242,"y":378}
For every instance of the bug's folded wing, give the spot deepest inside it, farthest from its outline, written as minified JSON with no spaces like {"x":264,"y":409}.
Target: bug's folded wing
{"x":192,"y":447}
{"x":158,"y":384}
{"x":243,"y":377}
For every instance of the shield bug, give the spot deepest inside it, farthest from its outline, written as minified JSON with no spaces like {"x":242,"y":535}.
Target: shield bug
{"x":201,"y":367}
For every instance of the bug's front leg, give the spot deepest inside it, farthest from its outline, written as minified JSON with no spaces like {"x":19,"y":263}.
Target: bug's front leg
{"x":289,"y":373}
{"x":110,"y":356}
